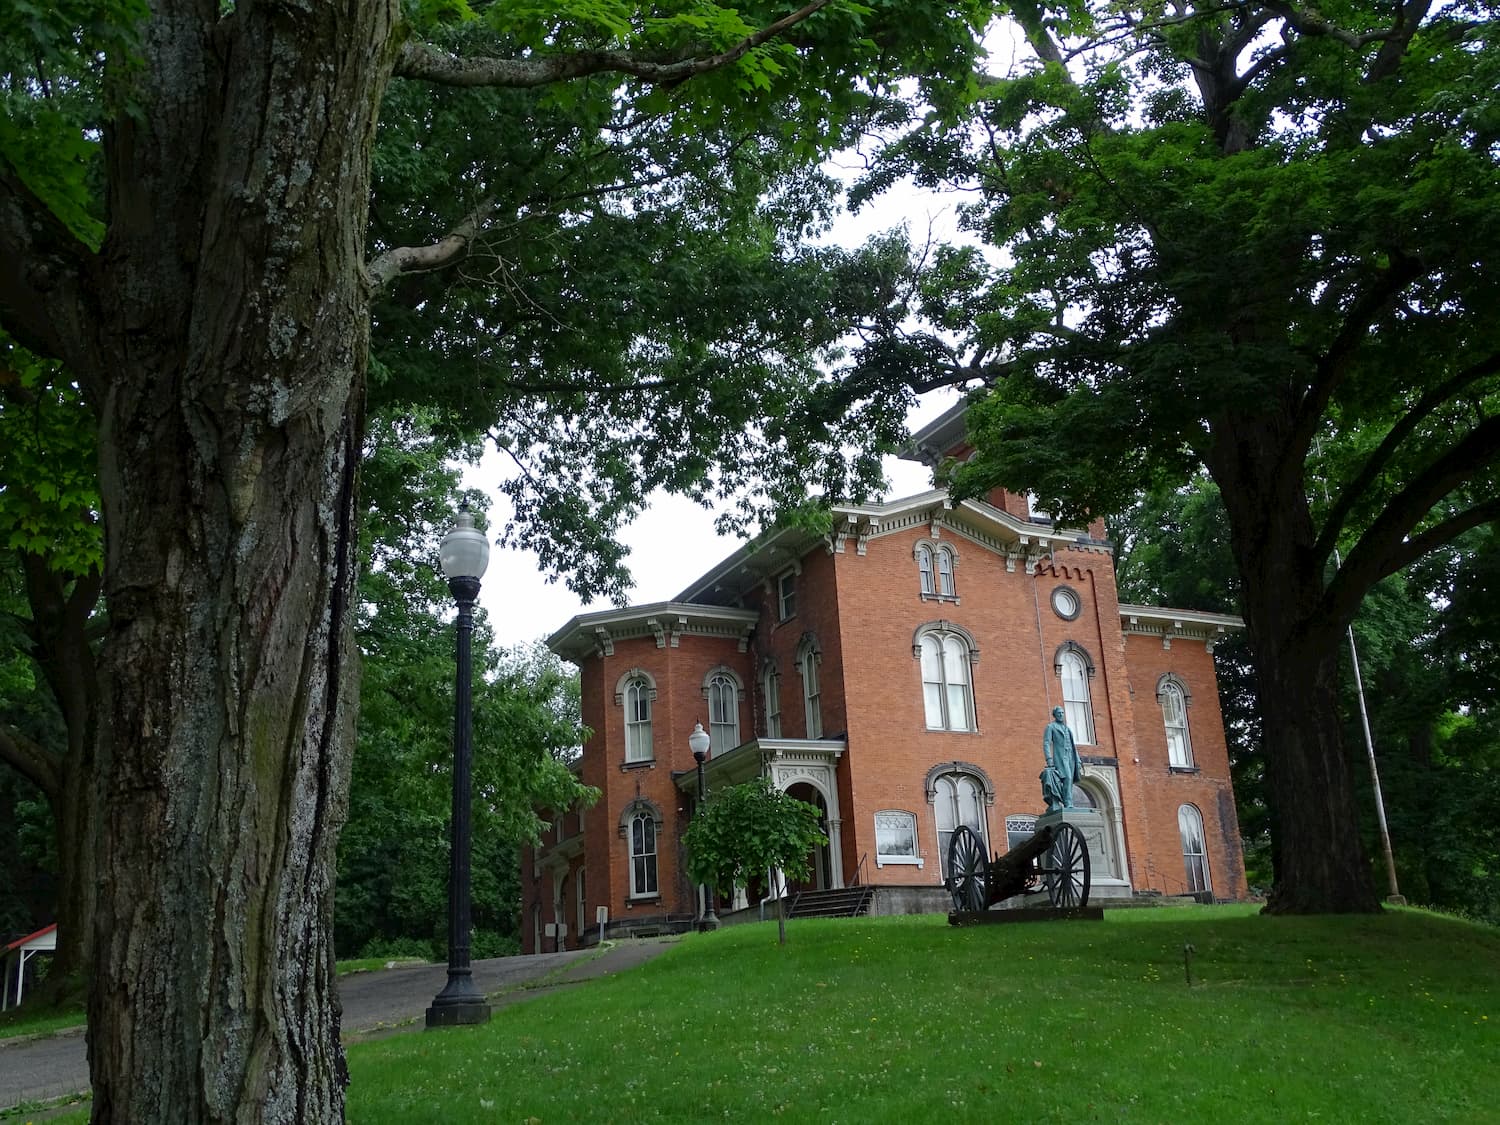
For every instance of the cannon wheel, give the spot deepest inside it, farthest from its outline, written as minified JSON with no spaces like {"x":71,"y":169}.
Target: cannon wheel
{"x":1065,"y":868}
{"x":968,"y":870}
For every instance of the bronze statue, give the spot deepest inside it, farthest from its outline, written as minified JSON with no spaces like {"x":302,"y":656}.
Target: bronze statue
{"x":1063,"y":765}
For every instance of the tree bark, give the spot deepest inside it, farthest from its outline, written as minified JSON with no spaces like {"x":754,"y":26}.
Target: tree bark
{"x":236,"y":313}
{"x":1321,"y":863}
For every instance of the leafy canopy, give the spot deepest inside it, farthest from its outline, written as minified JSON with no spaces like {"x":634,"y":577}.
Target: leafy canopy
{"x":745,"y":830}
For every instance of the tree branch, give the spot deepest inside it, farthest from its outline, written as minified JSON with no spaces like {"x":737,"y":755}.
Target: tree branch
{"x":1384,"y":547}
{"x":1028,"y":14}
{"x":46,"y":302}
{"x":1313,"y":24}
{"x":1346,"y":601}
{"x":31,"y":761}
{"x":59,"y":632}
{"x":430,"y":64}
{"x":1350,"y":494}
{"x":1387,"y":61}
{"x":452,"y":247}
{"x":1335,"y":361}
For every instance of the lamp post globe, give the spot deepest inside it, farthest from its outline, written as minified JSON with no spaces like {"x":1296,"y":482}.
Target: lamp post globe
{"x":465,"y":552}
{"x":698,"y":743}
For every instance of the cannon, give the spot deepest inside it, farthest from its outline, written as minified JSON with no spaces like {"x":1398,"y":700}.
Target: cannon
{"x":1055,"y":857}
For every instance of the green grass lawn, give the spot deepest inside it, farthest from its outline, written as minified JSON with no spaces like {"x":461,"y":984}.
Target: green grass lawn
{"x":1394,"y":1018}
{"x":27,"y":1021}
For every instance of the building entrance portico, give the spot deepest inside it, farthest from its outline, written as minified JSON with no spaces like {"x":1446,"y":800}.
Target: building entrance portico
{"x":805,"y":768}
{"x":821,"y":865}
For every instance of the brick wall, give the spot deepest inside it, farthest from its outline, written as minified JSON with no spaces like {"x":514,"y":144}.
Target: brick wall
{"x":865,"y":610}
{"x":1207,"y":786}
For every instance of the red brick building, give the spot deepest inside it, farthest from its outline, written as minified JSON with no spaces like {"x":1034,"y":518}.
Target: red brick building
{"x":897,"y":673}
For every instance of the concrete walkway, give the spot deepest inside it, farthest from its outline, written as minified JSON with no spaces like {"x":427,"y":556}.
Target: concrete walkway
{"x":383,"y":1003}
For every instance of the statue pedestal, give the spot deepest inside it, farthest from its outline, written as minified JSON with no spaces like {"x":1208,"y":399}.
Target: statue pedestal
{"x":1090,"y":825}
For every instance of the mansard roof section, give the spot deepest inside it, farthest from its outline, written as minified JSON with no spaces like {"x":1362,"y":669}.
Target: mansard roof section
{"x":939,"y":438}
{"x":596,"y":634}
{"x":763,"y":560}
{"x":1169,"y":624}
{"x":759,"y":561}
{"x":976,"y":519}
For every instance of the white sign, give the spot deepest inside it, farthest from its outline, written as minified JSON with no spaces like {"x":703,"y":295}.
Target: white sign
{"x":601,"y":914}
{"x":550,"y":929}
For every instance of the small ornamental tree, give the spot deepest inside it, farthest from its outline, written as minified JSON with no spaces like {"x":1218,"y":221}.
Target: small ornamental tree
{"x":745,"y":830}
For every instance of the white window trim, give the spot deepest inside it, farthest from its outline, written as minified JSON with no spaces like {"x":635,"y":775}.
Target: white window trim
{"x":623,"y":688}
{"x":655,"y":854}
{"x":935,"y":552}
{"x":771,"y":687}
{"x":724,"y":675}
{"x":634,"y":810}
{"x":1171,"y":684}
{"x":915,"y":860}
{"x":942,"y":629}
{"x":1071,"y":651}
{"x":1202,"y":857}
{"x":952,"y":774}
{"x":809,"y":656}
{"x":786,"y":592}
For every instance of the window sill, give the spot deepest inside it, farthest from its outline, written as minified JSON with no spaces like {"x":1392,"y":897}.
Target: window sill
{"x":899,"y":861}
{"x":643,"y":900}
{"x":1184,"y":769}
{"x":647,"y":764}
{"x":950,"y":730}
{"x":951,"y":599}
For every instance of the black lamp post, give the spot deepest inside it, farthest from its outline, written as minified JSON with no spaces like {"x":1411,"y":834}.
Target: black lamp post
{"x":465,"y":553}
{"x":698,"y":742}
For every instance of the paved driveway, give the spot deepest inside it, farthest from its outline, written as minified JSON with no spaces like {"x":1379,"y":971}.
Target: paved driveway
{"x":374,"y":1003}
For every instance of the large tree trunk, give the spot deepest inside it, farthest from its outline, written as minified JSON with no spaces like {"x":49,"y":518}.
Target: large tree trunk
{"x":229,"y":440}
{"x":1321,"y":863}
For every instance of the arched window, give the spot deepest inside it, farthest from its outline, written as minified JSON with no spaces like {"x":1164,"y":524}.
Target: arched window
{"x":958,"y":798}
{"x":1194,"y":852}
{"x":946,"y":653}
{"x":1173,"y":698}
{"x":925,"y":569}
{"x":1073,"y":669}
{"x":772,"y":686}
{"x":642,"y":855}
{"x":638,"y":721}
{"x":812,"y":696}
{"x":935,"y":565}
{"x":722,"y":689}
{"x":945,"y":586}
{"x":582,"y":927}
{"x":635,"y":691}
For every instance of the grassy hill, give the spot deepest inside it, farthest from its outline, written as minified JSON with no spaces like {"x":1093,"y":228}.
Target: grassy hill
{"x":1394,"y":1018}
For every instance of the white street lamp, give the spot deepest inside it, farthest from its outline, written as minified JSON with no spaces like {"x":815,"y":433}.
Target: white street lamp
{"x":698,"y":743}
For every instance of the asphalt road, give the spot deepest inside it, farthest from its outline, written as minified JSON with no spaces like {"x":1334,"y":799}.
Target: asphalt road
{"x":380,"y":1003}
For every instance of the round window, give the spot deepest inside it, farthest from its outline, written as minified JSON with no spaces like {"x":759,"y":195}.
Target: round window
{"x":1065,"y":603}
